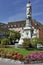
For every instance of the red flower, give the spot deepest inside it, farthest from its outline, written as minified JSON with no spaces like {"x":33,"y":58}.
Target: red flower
{"x":20,"y":57}
{"x":14,"y":57}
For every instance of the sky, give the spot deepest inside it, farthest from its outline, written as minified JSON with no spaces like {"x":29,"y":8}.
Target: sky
{"x":15,"y":10}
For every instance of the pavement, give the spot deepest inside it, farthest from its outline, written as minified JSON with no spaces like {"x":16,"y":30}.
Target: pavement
{"x":13,"y":62}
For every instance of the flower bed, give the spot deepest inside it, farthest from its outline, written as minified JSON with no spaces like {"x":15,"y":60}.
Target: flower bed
{"x":36,"y":57}
{"x":11,"y":55}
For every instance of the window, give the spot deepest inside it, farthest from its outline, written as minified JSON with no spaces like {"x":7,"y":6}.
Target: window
{"x":14,"y":25}
{"x":18,"y":25}
{"x":11,"y":25}
{"x":8,"y":26}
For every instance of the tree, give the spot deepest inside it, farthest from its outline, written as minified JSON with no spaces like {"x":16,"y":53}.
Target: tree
{"x":17,"y":35}
{"x":14,"y":36}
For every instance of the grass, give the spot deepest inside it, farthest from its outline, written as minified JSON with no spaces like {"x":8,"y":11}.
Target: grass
{"x":22,"y":50}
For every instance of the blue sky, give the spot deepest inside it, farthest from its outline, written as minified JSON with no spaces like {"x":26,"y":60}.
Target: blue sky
{"x":15,"y":10}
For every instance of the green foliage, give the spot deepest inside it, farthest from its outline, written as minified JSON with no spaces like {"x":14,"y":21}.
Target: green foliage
{"x":4,"y":41}
{"x":14,"y":36}
{"x":34,"y":41}
{"x":17,"y":35}
{"x":26,"y":43}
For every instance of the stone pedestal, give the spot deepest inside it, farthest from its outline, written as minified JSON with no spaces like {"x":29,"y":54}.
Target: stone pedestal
{"x":26,"y":34}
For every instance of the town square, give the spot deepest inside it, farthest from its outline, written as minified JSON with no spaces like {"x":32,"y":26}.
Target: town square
{"x":21,"y":32}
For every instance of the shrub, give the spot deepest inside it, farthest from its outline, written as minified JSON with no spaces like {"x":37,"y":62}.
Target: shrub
{"x":27,"y":43}
{"x":4,"y":41}
{"x":34,"y":41}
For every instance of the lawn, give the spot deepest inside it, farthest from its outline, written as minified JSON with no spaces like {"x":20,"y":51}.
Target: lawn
{"x":22,"y":50}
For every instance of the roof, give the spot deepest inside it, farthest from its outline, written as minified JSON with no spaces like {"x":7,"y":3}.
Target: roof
{"x":17,"y":22}
{"x":21,"y":23}
{"x":34,"y":22}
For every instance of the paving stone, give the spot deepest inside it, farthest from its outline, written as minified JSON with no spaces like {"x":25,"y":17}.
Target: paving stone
{"x":13,"y":62}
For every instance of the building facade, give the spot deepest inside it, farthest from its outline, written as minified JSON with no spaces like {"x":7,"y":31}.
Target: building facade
{"x":19,"y":25}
